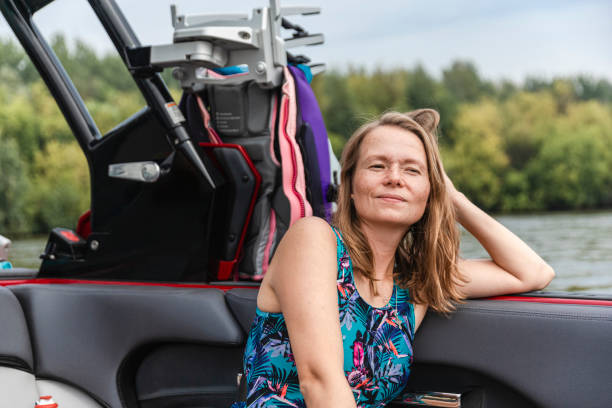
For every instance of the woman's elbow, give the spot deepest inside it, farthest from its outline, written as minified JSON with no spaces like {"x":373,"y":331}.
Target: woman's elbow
{"x":544,"y":275}
{"x":326,"y":390}
{"x":311,"y":384}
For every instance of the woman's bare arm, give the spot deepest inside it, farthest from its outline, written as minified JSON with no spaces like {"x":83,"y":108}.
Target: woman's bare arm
{"x":514,"y":267}
{"x":302,"y":281}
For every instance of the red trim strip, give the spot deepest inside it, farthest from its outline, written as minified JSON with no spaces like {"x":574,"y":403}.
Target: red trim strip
{"x":54,"y":281}
{"x":591,"y":302}
{"x":225,"y":288}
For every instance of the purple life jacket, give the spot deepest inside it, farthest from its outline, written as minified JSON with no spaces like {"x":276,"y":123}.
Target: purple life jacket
{"x":313,"y":140}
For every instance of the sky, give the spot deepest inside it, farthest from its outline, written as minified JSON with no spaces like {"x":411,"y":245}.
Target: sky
{"x":508,"y":39}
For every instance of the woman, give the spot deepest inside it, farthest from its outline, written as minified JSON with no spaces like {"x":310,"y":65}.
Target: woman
{"x":338,"y":308}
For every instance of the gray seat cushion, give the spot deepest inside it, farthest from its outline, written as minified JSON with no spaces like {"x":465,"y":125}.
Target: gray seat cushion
{"x":15,"y":346}
{"x":242,"y":303}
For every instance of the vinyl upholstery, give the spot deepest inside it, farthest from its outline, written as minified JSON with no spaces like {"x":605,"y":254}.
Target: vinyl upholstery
{"x":72,"y":341}
{"x":15,"y":348}
{"x":558,"y":355}
{"x":19,"y":387}
{"x":242,"y":303}
{"x":83,"y":334}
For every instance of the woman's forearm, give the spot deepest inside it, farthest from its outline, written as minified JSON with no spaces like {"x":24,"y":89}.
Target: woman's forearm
{"x":506,"y":249}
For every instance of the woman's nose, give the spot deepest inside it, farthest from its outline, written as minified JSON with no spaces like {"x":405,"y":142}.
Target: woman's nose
{"x":394,"y":175}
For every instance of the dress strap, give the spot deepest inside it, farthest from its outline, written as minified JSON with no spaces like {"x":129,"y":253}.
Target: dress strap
{"x":342,"y":257}
{"x":337,"y":234}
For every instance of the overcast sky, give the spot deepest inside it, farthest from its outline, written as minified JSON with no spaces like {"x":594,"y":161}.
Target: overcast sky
{"x":505,"y":39}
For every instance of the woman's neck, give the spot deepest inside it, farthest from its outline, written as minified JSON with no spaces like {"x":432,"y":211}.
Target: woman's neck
{"x":383,"y":242}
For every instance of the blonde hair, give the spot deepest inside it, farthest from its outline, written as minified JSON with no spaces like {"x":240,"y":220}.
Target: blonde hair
{"x":427,"y":256}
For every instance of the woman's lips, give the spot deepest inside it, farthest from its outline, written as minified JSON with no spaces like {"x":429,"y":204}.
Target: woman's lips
{"x":392,"y":198}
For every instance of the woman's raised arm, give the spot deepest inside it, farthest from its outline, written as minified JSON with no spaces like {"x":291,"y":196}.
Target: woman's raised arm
{"x":514,"y":267}
{"x":301,"y":283}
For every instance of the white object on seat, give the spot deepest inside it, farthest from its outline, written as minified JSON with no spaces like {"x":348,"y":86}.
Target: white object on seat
{"x":66,"y":396}
{"x":17,"y":388}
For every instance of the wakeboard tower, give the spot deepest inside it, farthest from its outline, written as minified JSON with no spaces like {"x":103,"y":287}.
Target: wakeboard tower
{"x":202,"y":190}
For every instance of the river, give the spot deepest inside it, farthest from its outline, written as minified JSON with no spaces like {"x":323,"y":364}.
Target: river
{"x":577,"y":245}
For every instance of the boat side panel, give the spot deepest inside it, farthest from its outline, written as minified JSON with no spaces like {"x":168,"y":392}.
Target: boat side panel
{"x":544,"y":351}
{"x":94,"y":337}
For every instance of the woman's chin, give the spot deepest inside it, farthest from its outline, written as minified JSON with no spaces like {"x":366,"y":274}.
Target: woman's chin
{"x":393,"y":220}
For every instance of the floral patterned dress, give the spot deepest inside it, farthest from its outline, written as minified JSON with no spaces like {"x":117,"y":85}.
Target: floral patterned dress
{"x":377,"y":348}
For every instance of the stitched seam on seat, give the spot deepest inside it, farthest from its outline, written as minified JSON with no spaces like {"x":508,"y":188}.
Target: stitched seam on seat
{"x":15,"y":363}
{"x":556,"y":315}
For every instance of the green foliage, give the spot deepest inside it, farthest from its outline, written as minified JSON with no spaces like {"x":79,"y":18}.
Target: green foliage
{"x":376,"y":92}
{"x":337,"y":143}
{"x":589,"y":88}
{"x":422,"y":91}
{"x":573,"y":169}
{"x":13,"y":58}
{"x":476,"y":162}
{"x":60,"y":186}
{"x":527,"y":120}
{"x":13,"y":185}
{"x":337,"y":106}
{"x":464,"y":83}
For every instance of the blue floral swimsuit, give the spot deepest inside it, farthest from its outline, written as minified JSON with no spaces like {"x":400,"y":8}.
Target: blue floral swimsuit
{"x":377,"y":348}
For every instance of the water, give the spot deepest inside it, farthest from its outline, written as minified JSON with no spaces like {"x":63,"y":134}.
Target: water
{"x":24,"y":253}
{"x":577,"y":245}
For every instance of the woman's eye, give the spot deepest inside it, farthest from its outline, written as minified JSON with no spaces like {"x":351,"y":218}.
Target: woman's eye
{"x":376,"y":166}
{"x":412,"y":170}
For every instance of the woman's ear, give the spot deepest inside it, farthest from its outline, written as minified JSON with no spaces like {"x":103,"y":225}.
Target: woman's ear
{"x":427,"y":118}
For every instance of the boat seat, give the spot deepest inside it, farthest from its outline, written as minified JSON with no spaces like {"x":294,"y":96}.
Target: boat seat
{"x":19,"y":387}
{"x":92,"y":344}
{"x":242,"y":303}
{"x":17,"y":381}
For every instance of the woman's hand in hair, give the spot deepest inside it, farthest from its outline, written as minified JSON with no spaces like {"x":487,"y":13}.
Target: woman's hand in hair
{"x":514,"y":267}
{"x":452,"y":192}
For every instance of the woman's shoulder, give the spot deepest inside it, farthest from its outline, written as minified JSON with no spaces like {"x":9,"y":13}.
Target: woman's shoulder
{"x":310,"y":229}
{"x":305,"y":261}
{"x":309,"y":239}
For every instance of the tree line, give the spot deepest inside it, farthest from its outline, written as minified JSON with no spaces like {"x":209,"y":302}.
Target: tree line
{"x":545,"y":144}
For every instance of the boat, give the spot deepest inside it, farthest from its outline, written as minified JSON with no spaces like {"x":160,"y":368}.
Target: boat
{"x":146,"y":304}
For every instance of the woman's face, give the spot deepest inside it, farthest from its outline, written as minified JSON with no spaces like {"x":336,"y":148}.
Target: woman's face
{"x":391,"y":181}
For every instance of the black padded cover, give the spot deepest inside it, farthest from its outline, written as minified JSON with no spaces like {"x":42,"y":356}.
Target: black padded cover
{"x":242,"y":303}
{"x":15,"y":346}
{"x":189,"y":376}
{"x":557,"y":355}
{"x":241,"y":110}
{"x":82,"y":334}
